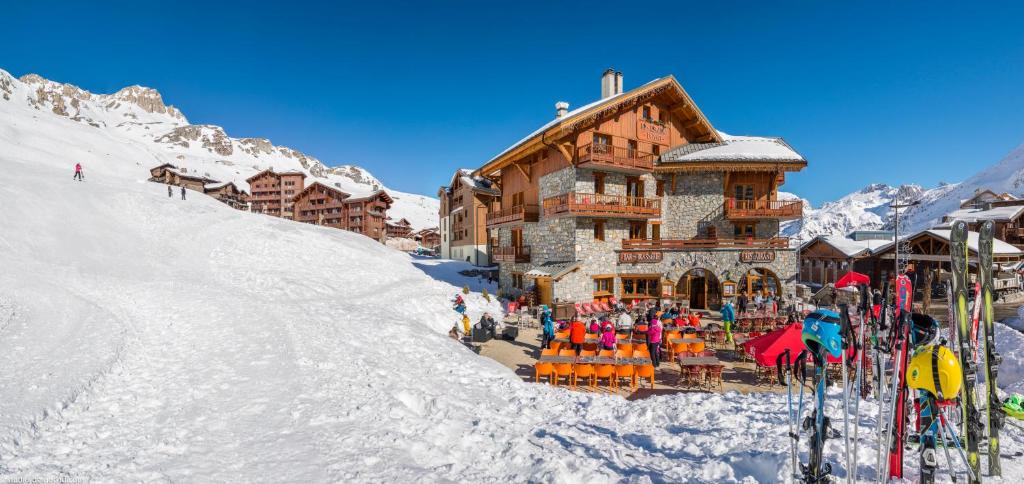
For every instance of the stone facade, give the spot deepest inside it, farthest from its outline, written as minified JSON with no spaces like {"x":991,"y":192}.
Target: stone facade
{"x":687,"y":212}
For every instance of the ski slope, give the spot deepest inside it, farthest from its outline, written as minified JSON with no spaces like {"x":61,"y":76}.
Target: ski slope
{"x":146,"y":338}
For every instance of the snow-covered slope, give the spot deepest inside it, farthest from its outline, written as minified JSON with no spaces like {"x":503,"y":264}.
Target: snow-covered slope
{"x":137,"y":115}
{"x":865,"y":209}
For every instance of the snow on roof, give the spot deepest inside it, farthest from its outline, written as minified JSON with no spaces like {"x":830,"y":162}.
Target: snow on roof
{"x":998,"y":246}
{"x":850,"y":247}
{"x":478,"y":183}
{"x":216,"y":185}
{"x":735,"y":148}
{"x":1006,"y":214}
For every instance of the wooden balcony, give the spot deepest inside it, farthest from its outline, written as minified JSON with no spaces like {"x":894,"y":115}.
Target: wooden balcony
{"x":513,"y":215}
{"x":686,"y":244}
{"x":756,"y":209}
{"x":511,"y":254}
{"x":614,"y":158}
{"x":574,"y":204}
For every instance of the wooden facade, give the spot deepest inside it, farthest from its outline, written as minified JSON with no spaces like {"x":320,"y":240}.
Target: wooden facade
{"x":172,"y":175}
{"x":272,"y":193}
{"x":320,"y":204}
{"x":368,"y":215}
{"x":228,"y":194}
{"x":463,"y":218}
{"x":400,"y":229}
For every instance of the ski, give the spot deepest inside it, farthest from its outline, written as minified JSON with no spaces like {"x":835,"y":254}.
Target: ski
{"x":898,"y":414}
{"x":991,"y":359}
{"x":924,"y":329}
{"x":971,"y":426}
{"x":821,"y":335}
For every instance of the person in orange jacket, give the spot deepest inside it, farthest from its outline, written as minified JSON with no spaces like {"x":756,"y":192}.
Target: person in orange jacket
{"x":694,"y":319}
{"x":577,"y":335}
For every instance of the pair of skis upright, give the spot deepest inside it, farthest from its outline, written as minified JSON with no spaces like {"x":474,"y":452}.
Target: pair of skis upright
{"x":973,"y":428}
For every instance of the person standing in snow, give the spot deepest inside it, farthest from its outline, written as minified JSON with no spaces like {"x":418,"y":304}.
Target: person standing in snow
{"x":78,"y":172}
{"x":182,"y":193}
{"x":465,"y":324}
{"x":170,"y":192}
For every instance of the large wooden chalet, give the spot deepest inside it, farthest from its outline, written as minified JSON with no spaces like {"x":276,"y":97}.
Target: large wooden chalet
{"x":272,"y":192}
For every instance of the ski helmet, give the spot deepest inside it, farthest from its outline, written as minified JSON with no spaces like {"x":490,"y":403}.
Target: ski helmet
{"x":821,"y":328}
{"x":935,"y":369}
{"x":923,"y":328}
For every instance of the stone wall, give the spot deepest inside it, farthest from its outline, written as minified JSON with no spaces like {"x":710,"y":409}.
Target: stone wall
{"x":697,"y":197}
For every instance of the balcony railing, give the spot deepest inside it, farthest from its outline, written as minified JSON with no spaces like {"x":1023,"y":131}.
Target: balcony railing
{"x":511,"y":254}
{"x":605,"y":206}
{"x":754,"y":209}
{"x":684,"y":244}
{"x":513,"y":215}
{"x":616,"y":158}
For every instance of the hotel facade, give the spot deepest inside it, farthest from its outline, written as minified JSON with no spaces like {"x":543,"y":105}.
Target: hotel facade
{"x":638,"y":196}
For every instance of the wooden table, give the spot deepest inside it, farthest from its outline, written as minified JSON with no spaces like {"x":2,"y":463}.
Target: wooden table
{"x":699,"y":361}
{"x":557,"y":359}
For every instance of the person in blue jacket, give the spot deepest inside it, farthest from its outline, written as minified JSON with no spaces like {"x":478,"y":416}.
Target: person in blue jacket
{"x":549,"y":327}
{"x":728,"y":318}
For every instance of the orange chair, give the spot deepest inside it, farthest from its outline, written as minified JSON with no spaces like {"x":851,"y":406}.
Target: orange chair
{"x":625,"y":371}
{"x":562,"y":370}
{"x":605,"y":371}
{"x":568,"y":352}
{"x":555,"y":345}
{"x":584,"y":371}
{"x":645,"y":371}
{"x":544,"y":369}
{"x":641,"y":352}
{"x":697,"y":347}
{"x":625,"y":347}
{"x":692,"y":375}
{"x":621,"y":336}
{"x":677,"y":349}
{"x":587,"y":352}
{"x":590,"y":346}
{"x":671,"y":335}
{"x":561,"y":334}
{"x":606,"y":354}
{"x":624,"y":353}
{"x":548,"y":352}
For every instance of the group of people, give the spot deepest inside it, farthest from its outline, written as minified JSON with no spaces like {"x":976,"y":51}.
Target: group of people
{"x":761,"y":301}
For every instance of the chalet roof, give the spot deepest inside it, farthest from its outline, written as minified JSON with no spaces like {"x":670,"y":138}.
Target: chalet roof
{"x":587,"y":114}
{"x":315,"y":184}
{"x":379,"y":193}
{"x":849,"y":247}
{"x":181,"y":172}
{"x":473,"y":182}
{"x":997,"y":196}
{"x":998,"y":246}
{"x":276,"y":173}
{"x":972,"y":215}
{"x":162,"y":165}
{"x":735,"y":148}
{"x":553,"y":269}
{"x":268,"y":171}
{"x":219,"y":185}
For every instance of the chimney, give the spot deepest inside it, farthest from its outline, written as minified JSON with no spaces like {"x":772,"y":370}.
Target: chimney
{"x":608,"y":83}
{"x":561,"y":107}
{"x":618,"y":82}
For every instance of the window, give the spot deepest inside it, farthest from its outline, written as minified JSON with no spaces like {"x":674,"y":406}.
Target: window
{"x":655,"y":231}
{"x":633,"y":148}
{"x":663,"y":116}
{"x":634,"y":187}
{"x":647,"y":113}
{"x":656,"y":150}
{"x":517,"y":199}
{"x":599,"y":183}
{"x":517,"y":237}
{"x":743,"y":192}
{"x":659,"y":188}
{"x":603,"y":286}
{"x":544,"y":155}
{"x":599,"y":230}
{"x":602,"y":139}
{"x":517,"y":280}
{"x":640,"y":287}
{"x":742,"y":231}
{"x":637,"y":230}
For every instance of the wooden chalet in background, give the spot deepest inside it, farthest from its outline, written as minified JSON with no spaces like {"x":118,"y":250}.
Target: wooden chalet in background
{"x":172,"y":175}
{"x":272,"y":193}
{"x":229,"y":194}
{"x":400,"y":229}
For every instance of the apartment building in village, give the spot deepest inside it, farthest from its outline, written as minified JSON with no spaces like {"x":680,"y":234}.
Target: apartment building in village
{"x":638,"y":196}
{"x":463,"y":215}
{"x":271,"y":192}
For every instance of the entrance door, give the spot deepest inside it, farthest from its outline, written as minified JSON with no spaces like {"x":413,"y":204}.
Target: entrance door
{"x":544,"y":290}
{"x":698,"y":292}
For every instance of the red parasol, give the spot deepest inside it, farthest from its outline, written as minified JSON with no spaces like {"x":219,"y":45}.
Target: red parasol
{"x":853,"y":279}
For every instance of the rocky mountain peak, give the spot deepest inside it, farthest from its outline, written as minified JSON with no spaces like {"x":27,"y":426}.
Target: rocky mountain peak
{"x":148,"y":99}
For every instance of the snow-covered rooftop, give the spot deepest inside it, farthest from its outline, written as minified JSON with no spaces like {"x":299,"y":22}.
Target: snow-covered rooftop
{"x":1003,"y":214}
{"x":850,"y":247}
{"x":998,"y":246}
{"x":735,"y":148}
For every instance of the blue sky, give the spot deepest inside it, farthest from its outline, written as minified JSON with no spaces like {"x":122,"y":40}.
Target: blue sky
{"x":895,"y":92}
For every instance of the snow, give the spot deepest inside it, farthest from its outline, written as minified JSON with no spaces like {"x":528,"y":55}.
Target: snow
{"x":851,"y":247}
{"x":1004,"y":214}
{"x":865,"y":209}
{"x":735,"y":148}
{"x":998,"y":246}
{"x":145,"y":338}
{"x":200,"y":150}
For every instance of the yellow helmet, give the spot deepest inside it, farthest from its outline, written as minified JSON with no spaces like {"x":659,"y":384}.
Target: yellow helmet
{"x":936,"y":370}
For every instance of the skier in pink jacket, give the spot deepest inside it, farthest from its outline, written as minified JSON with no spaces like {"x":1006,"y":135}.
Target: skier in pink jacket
{"x":654,"y":341}
{"x":78,"y":172}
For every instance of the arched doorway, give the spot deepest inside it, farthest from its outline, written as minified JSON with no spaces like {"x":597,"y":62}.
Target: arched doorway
{"x":701,"y":288}
{"x":761,"y":280}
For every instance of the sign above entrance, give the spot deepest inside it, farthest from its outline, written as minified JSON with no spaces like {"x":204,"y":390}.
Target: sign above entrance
{"x":748,"y":256}
{"x":639,"y":257}
{"x":652,"y":131}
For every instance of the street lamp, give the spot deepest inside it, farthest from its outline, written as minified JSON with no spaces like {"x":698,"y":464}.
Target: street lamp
{"x":896,"y":206}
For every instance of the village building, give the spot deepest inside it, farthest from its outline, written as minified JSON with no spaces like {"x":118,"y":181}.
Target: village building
{"x":982,"y":198}
{"x":400,"y":229}
{"x":638,"y":196}
{"x":824,"y":259}
{"x":1006,"y":211}
{"x":172,"y":175}
{"x":272,"y":193}
{"x":428,"y":238}
{"x":463,"y":217}
{"x":319,"y":204}
{"x":228,"y":193}
{"x":367,"y":215}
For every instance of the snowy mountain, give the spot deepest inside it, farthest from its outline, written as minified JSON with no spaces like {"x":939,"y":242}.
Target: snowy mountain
{"x":138,"y":115}
{"x":865,"y":209}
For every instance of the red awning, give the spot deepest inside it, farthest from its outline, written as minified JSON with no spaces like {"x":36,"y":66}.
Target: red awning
{"x":766,"y":349}
{"x":853,"y":279}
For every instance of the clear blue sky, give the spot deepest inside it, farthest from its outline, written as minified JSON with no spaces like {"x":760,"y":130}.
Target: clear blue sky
{"x":892,"y":92}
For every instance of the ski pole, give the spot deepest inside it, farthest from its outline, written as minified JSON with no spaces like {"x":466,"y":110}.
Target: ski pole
{"x":845,"y":316}
{"x":956,"y":442}
{"x":858,"y":378}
